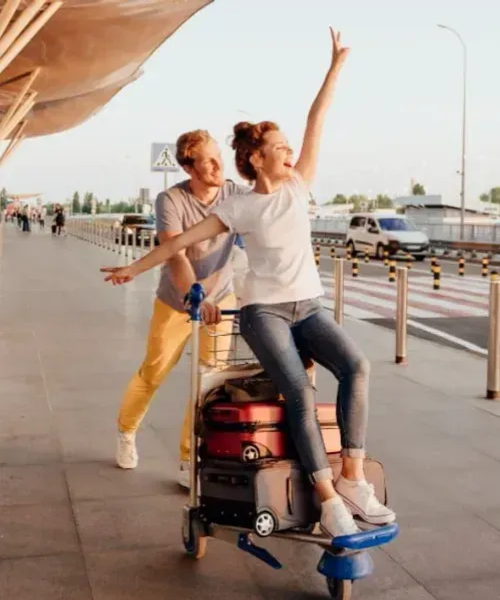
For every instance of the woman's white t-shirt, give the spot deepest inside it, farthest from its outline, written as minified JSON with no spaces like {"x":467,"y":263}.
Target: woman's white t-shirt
{"x":277,"y":235}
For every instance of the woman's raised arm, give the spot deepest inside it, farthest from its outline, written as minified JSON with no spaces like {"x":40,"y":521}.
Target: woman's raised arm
{"x":306,"y":165}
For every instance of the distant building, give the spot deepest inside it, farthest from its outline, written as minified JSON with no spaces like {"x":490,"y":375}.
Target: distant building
{"x":431,"y":209}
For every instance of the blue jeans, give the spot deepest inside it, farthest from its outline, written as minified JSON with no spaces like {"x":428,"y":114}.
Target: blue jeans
{"x":281,"y":336}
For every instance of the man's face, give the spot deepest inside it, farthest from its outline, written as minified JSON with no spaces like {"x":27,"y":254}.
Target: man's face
{"x":208,"y":167}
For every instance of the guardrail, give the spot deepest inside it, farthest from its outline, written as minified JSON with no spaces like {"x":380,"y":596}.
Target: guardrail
{"x":107,"y":235}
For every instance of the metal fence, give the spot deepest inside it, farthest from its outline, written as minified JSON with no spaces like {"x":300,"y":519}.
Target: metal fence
{"x":434,"y":231}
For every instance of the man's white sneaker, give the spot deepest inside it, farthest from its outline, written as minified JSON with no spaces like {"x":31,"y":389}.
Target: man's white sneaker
{"x":183,"y":476}
{"x":336,"y":520}
{"x":360,"y":497}
{"x":126,"y":454}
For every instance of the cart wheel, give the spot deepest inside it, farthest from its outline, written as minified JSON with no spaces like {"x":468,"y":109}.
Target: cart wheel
{"x":196,"y":545}
{"x":264,"y":524}
{"x":250,"y":453}
{"x":340,"y":589}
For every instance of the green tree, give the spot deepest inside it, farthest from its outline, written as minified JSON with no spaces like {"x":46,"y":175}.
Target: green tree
{"x":3,"y":199}
{"x":492,"y":196}
{"x":337,"y":199}
{"x":418,"y":189}
{"x":87,"y":203}
{"x":76,"y":207}
{"x":122,"y":207}
{"x":383,"y":201}
{"x":359,"y":202}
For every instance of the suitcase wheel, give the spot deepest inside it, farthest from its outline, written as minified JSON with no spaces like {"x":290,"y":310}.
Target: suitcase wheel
{"x":340,"y":589}
{"x":250,"y":453}
{"x":264,"y":523}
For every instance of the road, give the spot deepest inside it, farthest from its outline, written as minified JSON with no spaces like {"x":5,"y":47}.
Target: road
{"x":456,"y":315}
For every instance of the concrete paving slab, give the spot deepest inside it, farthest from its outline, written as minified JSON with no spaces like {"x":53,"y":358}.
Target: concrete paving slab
{"x":35,"y":484}
{"x":37,"y":530}
{"x":46,"y":578}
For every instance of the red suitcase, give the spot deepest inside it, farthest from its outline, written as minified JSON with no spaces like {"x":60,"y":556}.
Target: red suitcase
{"x":249,"y":431}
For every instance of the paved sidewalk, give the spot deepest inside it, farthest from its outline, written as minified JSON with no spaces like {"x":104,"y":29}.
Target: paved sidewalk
{"x":74,"y":527}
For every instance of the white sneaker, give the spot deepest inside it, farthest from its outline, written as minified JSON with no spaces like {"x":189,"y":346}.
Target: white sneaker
{"x":360,"y":497}
{"x":336,"y":520}
{"x":126,"y":454}
{"x":183,"y":476}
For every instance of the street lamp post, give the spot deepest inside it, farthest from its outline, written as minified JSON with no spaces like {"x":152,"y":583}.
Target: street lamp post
{"x":464,"y":120}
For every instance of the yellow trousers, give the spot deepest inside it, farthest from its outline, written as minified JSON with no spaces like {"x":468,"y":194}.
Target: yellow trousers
{"x":169,"y":332}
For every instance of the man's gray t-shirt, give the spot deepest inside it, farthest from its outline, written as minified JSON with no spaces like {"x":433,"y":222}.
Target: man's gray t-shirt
{"x":177,"y":209}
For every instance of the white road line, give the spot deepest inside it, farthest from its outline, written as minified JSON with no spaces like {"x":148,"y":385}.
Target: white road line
{"x":450,"y":338}
{"x":429,"y":307}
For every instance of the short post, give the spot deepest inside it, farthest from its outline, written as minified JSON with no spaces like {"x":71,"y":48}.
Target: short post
{"x":386,"y":257}
{"x":143,"y":234}
{"x":392,"y":271}
{"x":494,"y":275}
{"x":436,"y":278}
{"x":367,"y":256}
{"x":433,"y":261}
{"x":401,"y":315}
{"x":332,"y":253}
{"x":339,"y":291}
{"x":493,"y":383}
{"x":484,"y":266}
{"x":134,"y":245}
{"x":355,"y":267}
{"x":348,"y":253}
{"x":461,"y":266}
{"x":409,"y":260}
{"x":125,"y":242}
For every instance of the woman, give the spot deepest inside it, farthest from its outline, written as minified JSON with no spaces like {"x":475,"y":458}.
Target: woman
{"x":281,"y":309}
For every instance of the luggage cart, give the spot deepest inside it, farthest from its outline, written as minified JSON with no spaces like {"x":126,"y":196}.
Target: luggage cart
{"x":344,"y":560}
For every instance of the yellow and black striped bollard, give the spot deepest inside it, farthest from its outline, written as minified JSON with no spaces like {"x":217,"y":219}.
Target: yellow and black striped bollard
{"x":409,"y":260}
{"x":484,"y":266}
{"x":348,"y":254}
{"x":316,"y":256}
{"x":437,"y":277}
{"x":461,"y":266}
{"x":392,"y":271}
{"x":386,"y":257}
{"x":367,"y":256}
{"x":433,"y":262}
{"x":355,"y":267}
{"x":494,"y":276}
{"x":332,"y":253}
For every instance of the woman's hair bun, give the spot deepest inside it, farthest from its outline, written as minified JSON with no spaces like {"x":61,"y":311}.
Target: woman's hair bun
{"x":241,"y":131}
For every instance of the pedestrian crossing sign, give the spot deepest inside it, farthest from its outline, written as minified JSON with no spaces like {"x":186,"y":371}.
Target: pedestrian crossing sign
{"x":163,"y":158}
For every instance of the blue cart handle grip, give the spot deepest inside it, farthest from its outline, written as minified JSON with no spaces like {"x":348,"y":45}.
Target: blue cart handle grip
{"x":194,"y":299}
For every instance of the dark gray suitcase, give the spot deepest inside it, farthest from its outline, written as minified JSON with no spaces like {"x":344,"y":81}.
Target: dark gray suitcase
{"x":268,"y":495}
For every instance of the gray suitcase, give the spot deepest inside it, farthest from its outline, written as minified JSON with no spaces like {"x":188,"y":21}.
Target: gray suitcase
{"x":268,"y":495}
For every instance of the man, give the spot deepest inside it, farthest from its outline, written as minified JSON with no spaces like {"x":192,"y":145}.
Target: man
{"x":177,"y":209}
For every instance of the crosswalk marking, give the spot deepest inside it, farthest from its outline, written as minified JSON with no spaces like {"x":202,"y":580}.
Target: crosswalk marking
{"x":373,"y":297}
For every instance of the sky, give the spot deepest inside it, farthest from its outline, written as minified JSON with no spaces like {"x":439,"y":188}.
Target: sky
{"x":396,"y":114}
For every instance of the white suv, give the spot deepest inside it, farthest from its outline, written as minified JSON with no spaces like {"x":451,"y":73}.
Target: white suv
{"x":376,"y":232}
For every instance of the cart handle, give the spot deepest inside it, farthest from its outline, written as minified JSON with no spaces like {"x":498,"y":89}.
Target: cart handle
{"x":193,"y":301}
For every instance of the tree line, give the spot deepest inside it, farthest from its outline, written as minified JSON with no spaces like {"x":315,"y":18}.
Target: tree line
{"x":84,"y":206}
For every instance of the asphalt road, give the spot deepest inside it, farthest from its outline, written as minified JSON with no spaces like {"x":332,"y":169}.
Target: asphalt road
{"x":468,"y":332}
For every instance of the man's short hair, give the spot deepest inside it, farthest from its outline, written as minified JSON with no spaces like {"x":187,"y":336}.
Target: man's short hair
{"x":187,"y":145}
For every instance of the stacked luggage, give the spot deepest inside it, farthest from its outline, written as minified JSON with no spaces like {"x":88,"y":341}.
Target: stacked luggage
{"x":250,"y":475}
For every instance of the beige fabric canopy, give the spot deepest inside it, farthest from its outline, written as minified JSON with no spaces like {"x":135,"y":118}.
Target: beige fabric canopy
{"x":63,"y":60}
